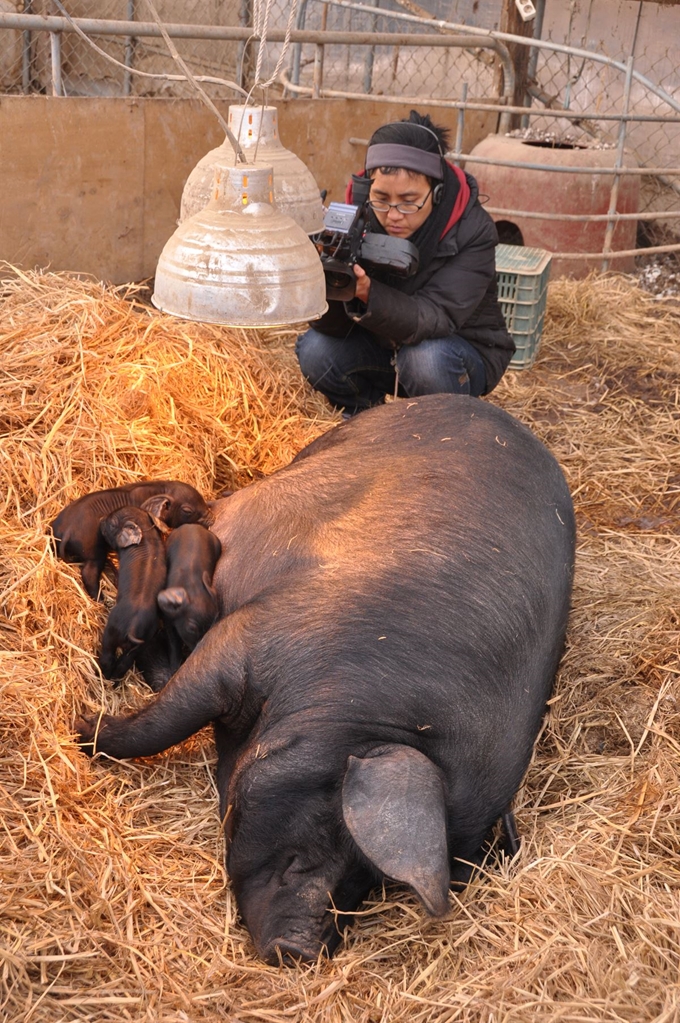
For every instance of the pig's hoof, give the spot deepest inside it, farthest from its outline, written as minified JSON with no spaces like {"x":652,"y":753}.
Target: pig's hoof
{"x":85,"y":729}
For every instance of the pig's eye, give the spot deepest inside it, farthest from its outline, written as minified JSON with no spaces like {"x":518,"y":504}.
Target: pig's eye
{"x":187,"y":509}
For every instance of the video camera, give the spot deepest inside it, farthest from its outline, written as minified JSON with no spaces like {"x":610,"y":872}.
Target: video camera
{"x":344,"y":241}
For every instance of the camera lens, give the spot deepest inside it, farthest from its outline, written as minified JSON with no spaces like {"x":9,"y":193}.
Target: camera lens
{"x":337,"y":280}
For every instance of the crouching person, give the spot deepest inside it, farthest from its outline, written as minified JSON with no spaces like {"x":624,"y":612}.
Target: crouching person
{"x":441,"y":330}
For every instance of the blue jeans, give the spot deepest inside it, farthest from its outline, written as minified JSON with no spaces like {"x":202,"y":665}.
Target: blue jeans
{"x":355,"y":373}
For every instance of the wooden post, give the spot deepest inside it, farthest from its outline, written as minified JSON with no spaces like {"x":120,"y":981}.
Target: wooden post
{"x":511,"y":22}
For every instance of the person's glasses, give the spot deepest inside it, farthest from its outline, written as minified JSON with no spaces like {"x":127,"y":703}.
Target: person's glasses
{"x":400,"y":207}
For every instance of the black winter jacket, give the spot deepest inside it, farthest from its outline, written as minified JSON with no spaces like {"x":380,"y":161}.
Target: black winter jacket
{"x":455,"y":294}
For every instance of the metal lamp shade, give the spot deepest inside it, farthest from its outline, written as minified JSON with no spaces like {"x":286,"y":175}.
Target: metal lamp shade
{"x":240,"y":262}
{"x":295,"y":191}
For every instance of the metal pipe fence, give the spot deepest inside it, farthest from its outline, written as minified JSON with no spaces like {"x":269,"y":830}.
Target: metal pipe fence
{"x":341,"y":48}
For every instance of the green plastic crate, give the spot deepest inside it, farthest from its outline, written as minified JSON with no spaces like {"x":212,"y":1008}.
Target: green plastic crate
{"x":522,"y":275}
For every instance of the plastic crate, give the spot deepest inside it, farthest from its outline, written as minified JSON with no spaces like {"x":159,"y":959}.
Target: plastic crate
{"x":522,"y":275}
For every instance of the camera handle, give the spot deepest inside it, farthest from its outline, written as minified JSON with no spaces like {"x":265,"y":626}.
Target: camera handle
{"x":361,"y":187}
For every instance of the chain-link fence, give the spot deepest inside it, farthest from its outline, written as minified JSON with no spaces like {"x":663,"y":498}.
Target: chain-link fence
{"x":67,"y":63}
{"x":398,"y":70}
{"x":26,"y":58}
{"x":576,"y":83}
{"x":650,"y":34}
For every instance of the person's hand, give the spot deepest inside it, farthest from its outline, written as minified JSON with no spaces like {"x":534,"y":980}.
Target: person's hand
{"x":363,"y":285}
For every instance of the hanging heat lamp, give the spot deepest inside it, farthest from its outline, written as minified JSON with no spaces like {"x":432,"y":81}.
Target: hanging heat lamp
{"x":240,"y":261}
{"x":296,"y":193}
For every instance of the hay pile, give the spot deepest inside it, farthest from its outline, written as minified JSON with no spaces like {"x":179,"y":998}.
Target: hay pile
{"x":113,"y":901}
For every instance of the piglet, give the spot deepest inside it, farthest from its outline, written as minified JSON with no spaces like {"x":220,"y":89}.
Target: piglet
{"x":189,"y":602}
{"x":159,"y":658}
{"x":141,"y":575}
{"x":76,"y":529}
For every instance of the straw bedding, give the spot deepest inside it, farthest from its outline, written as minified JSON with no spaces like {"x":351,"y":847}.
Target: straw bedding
{"x":114,"y":904}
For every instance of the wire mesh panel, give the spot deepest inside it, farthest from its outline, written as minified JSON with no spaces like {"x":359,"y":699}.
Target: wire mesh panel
{"x":648,"y":32}
{"x":71,"y":65}
{"x":11,"y":53}
{"x":86,"y":71}
{"x":397,"y":70}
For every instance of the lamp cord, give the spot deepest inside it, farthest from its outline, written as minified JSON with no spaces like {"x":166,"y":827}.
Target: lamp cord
{"x":260,"y":24}
{"x":233,"y":141}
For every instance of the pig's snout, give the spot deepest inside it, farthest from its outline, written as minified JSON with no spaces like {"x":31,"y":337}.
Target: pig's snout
{"x":291,"y":952}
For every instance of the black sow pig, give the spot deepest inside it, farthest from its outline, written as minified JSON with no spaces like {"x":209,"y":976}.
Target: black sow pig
{"x":142,"y":569}
{"x":76,"y":530}
{"x":393,"y":606}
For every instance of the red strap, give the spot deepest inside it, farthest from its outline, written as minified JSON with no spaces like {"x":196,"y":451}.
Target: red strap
{"x":462,"y":199}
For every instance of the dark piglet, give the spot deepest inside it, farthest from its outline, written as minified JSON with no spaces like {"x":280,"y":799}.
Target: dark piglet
{"x":189,"y":602}
{"x":392,"y":612}
{"x":76,"y":528}
{"x":159,"y":658}
{"x":141,"y":575}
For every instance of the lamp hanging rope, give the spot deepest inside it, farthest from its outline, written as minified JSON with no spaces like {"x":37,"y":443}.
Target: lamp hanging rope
{"x":261,"y":15}
{"x":261,"y":12}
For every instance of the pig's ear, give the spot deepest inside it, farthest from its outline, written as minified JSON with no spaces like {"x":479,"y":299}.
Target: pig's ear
{"x":207,"y":582}
{"x":129,"y":536}
{"x":393,"y":805}
{"x":157,"y":506}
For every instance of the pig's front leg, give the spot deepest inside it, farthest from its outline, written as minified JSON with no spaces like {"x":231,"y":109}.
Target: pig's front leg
{"x":210,"y":684}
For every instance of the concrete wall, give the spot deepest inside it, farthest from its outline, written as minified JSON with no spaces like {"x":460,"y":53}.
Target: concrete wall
{"x":94,"y":185}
